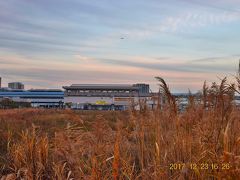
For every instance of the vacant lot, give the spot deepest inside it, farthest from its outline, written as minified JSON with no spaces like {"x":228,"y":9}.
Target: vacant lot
{"x":201,"y":143}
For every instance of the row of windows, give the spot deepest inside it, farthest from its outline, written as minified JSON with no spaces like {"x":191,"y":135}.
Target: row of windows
{"x":99,"y":91}
{"x":34,"y":97}
{"x":42,"y":97}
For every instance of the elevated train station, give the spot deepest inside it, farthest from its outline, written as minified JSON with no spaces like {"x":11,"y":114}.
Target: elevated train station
{"x":105,"y":96}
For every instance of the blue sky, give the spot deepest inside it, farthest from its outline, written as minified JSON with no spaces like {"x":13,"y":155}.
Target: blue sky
{"x":51,"y":43}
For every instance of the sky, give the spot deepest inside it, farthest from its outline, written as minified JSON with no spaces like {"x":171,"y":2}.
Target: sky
{"x":54,"y":43}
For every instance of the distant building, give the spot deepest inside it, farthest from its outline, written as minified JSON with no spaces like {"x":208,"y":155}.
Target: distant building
{"x":106,"y":96}
{"x":47,"y":98}
{"x":142,"y":88}
{"x":237,"y":101}
{"x":16,"y":85}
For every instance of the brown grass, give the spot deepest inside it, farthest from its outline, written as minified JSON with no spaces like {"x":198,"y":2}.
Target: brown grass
{"x":65,"y":144}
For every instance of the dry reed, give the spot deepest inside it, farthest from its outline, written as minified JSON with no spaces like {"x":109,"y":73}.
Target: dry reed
{"x":202,"y":142}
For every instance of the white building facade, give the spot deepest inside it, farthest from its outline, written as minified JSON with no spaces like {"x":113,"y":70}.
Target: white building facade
{"x":106,"y":96}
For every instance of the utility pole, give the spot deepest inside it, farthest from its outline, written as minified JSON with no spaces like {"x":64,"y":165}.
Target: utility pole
{"x":239,"y":69}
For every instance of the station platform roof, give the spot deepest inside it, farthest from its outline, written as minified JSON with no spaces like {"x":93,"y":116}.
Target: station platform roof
{"x":101,"y":87}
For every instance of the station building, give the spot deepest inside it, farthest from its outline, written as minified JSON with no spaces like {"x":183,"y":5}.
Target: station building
{"x":46,"y":98}
{"x":106,"y":96}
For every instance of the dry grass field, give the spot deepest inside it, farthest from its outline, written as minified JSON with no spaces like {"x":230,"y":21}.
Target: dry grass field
{"x":201,"y":143}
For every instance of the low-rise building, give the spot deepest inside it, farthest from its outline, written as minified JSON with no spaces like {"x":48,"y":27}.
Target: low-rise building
{"x":16,"y":85}
{"x":48,"y":98}
{"x":106,"y":96}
